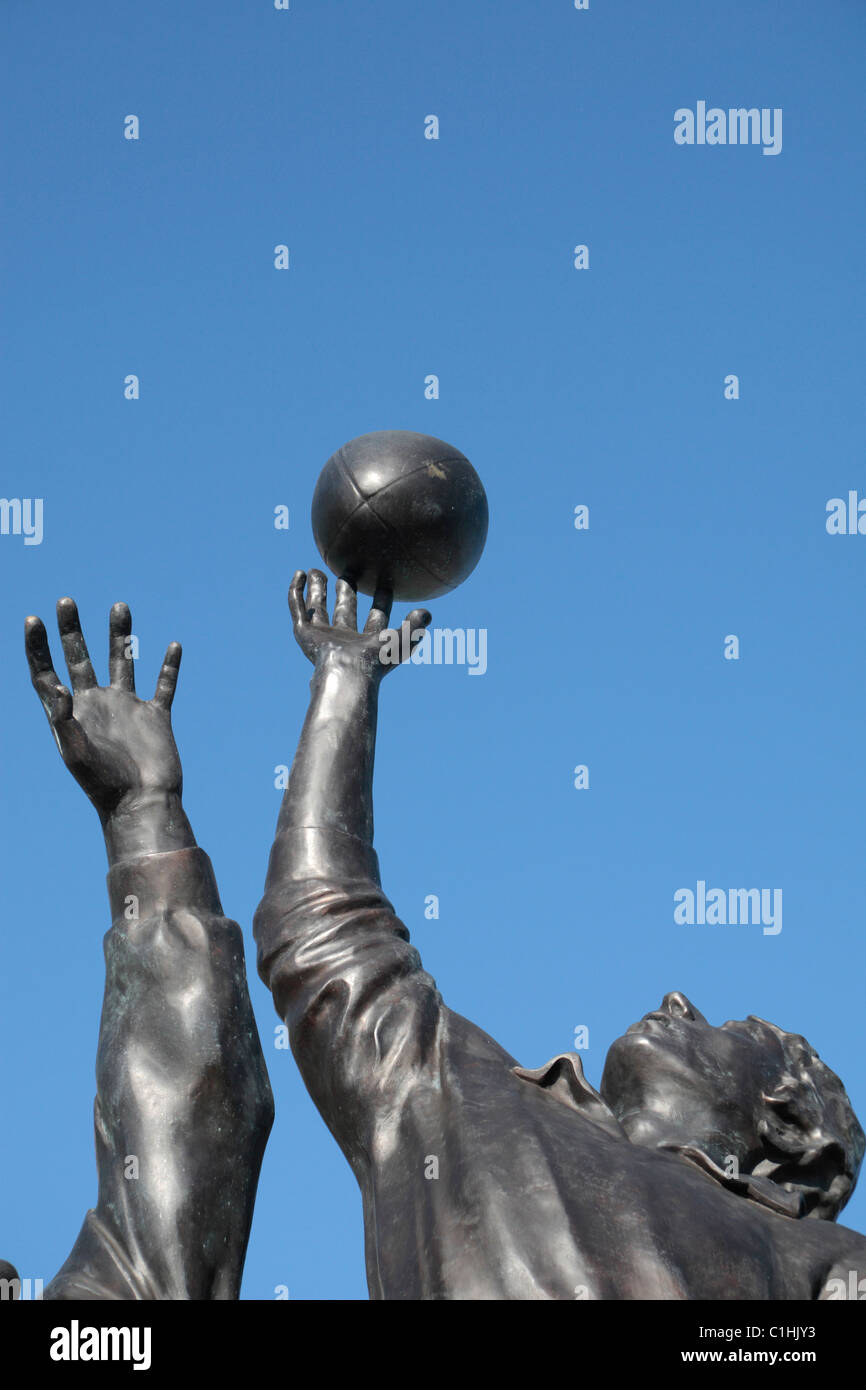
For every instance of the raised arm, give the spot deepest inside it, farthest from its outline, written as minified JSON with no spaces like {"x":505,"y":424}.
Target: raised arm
{"x":183,"y":1106}
{"x":363,"y":1016}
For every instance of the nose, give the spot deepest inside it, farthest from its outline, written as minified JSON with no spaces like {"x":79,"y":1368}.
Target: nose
{"x":678,"y":1006}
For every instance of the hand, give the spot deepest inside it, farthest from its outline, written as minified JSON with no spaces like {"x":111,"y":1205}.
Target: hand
{"x":119,"y":748}
{"x":373,"y":651}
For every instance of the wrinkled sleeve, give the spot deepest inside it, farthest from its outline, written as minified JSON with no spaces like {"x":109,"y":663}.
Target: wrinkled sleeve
{"x":365,"y":1020}
{"x":183,"y":1104}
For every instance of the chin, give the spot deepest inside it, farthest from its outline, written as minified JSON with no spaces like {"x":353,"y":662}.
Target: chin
{"x":640,"y":1058}
{"x":643,"y":1076}
{"x":645,"y":1128}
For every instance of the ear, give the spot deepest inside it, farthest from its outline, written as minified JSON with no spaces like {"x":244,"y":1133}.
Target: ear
{"x":815,"y":1167}
{"x":787,"y":1123}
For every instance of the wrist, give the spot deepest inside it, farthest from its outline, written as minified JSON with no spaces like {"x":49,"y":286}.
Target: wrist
{"x":146,"y":821}
{"x":355,"y":670}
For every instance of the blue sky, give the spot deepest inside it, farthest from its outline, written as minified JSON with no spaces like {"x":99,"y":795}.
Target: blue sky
{"x":602,"y":387}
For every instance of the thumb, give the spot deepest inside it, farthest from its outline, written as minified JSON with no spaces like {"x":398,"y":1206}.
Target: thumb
{"x":75,"y":747}
{"x":412,"y":630}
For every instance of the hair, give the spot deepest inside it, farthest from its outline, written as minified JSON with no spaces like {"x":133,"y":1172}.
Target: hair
{"x":813,"y":1143}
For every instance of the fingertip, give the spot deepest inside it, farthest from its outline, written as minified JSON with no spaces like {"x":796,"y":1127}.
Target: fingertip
{"x":317,"y":583}
{"x":296,"y":598}
{"x":119,"y":623}
{"x":67,"y":611}
{"x":296,"y":588}
{"x":417,"y":622}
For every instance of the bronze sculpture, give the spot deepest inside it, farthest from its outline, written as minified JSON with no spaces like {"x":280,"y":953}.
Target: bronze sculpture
{"x":690,"y":1175}
{"x":711,"y":1164}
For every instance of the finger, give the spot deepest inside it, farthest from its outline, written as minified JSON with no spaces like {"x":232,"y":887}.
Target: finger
{"x":56,"y":699}
{"x":297,"y":607}
{"x":81,"y":672}
{"x":317,"y":598}
{"x":414,"y":625}
{"x":121,"y":667}
{"x":167,"y":681}
{"x":346,"y":607}
{"x":38,"y":651}
{"x":377,"y":618}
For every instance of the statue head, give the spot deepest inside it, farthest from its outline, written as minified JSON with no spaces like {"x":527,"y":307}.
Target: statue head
{"x":755,"y":1101}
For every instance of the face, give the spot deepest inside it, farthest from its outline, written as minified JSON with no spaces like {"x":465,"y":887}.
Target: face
{"x":674,"y":1079}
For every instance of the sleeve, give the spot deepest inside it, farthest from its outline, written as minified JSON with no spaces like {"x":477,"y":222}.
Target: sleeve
{"x":365,"y":1021}
{"x":183,"y":1106}
{"x":846,"y":1279}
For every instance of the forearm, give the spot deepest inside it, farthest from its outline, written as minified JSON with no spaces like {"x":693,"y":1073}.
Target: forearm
{"x":331,"y":783}
{"x":182,"y":1083}
{"x":183,"y":1107}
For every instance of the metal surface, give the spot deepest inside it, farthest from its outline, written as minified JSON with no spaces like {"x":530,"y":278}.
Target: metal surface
{"x":691,"y":1175}
{"x":183,"y":1106}
{"x":400,"y":511}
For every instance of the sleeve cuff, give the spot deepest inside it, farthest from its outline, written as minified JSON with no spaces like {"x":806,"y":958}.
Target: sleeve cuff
{"x":302,"y":853}
{"x":161,"y":882}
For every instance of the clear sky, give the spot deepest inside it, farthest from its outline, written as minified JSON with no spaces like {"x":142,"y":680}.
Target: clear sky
{"x":605,"y":386}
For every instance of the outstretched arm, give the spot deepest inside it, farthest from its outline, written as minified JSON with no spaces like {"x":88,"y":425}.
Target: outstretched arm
{"x":183,"y":1106}
{"x":366,"y":1023}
